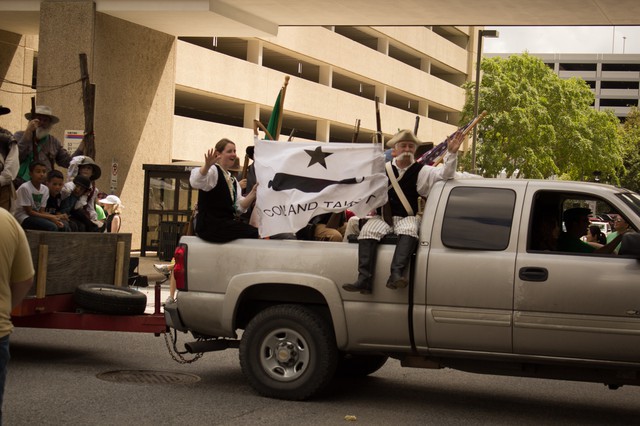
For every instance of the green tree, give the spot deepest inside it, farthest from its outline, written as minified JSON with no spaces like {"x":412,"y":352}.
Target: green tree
{"x":540,"y":125}
{"x":631,"y":138}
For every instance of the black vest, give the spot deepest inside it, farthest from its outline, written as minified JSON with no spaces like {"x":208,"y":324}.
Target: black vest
{"x":215,"y":204}
{"x":408,"y":184}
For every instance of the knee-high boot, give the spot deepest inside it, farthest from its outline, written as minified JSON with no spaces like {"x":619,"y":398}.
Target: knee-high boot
{"x":401,"y":258}
{"x":366,"y":266}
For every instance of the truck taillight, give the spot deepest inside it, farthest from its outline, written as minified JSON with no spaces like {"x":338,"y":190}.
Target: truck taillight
{"x":179,"y":270}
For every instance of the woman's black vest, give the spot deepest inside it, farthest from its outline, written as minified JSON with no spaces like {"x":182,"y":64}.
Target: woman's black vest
{"x":216,"y":204}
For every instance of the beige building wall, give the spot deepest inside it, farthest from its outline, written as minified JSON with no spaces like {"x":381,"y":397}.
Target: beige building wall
{"x":134,"y":108}
{"x":16,"y":66}
{"x":140,"y":73}
{"x":133,"y":69}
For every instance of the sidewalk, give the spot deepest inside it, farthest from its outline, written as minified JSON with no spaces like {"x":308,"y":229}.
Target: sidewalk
{"x":146,"y":268}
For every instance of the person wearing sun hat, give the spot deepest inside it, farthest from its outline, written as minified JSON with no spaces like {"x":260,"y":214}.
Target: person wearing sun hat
{"x":112,"y":206}
{"x":9,"y":164}
{"x":49,"y":149}
{"x":413,"y":180}
{"x":82,"y":165}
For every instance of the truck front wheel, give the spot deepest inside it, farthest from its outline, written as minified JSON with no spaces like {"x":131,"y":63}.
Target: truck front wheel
{"x":288,"y":352}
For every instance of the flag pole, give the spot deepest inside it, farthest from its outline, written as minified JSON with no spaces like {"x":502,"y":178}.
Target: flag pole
{"x":284,"y":92}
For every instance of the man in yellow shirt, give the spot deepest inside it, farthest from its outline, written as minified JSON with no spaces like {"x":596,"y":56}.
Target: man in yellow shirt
{"x":16,"y":278}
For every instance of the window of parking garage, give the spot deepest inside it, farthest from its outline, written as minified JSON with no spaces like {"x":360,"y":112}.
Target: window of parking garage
{"x":358,"y":36}
{"x":619,"y":85}
{"x":578,"y":67}
{"x":621,"y":67}
{"x":618,"y":102}
{"x":478,"y":218}
{"x":229,"y":46}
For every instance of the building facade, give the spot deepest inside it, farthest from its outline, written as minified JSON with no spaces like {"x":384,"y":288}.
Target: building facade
{"x":164,"y":97}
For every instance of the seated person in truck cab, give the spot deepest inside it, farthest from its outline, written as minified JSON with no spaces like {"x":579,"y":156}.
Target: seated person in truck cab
{"x":545,"y":232}
{"x":576,"y":222}
{"x":413,"y":179}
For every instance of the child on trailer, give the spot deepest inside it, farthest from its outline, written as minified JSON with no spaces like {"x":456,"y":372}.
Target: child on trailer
{"x":31,"y":200}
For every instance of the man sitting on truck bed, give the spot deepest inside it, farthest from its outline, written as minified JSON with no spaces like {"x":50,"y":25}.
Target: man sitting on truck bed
{"x":413,"y":179}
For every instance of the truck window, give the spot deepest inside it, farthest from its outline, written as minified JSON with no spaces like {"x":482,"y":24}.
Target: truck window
{"x":478,"y":218}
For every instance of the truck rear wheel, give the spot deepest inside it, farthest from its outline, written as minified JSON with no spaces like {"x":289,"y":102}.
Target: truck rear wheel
{"x":109,"y":299}
{"x":288,"y":352}
{"x":355,"y":365}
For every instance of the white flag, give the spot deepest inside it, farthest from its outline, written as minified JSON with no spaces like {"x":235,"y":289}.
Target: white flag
{"x":300,"y":180}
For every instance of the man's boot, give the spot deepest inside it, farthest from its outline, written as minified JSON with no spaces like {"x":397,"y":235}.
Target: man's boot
{"x":401,"y":258}
{"x":366,"y":265}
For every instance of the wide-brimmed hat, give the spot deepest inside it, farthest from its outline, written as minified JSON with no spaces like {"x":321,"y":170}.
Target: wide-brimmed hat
{"x":403,"y":136}
{"x":42,"y":110}
{"x":4,"y":110}
{"x":111,"y":199}
{"x":82,"y":182}
{"x":88,"y":161}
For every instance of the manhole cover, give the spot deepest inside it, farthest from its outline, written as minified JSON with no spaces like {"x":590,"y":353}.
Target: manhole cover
{"x":148,"y":377}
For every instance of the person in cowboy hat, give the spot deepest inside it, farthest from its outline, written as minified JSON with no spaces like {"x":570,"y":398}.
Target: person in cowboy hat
{"x":414,"y":180}
{"x":49,"y":149}
{"x":9,"y":164}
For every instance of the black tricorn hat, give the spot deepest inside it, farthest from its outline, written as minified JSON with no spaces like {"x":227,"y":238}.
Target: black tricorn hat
{"x":82,"y":182}
{"x":4,"y":110}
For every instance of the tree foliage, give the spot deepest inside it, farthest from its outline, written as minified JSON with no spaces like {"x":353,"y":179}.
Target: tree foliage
{"x":539,"y":125}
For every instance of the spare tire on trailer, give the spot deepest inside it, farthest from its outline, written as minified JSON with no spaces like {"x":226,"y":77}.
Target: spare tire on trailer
{"x":109,"y":299}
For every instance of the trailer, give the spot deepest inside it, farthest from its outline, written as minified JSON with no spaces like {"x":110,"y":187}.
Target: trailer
{"x":81,"y":283}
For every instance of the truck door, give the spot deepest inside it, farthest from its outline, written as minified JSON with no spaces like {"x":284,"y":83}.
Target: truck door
{"x":571,"y":304}
{"x":471,"y":264}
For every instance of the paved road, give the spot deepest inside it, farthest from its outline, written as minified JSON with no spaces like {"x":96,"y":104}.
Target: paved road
{"x":52,"y":381}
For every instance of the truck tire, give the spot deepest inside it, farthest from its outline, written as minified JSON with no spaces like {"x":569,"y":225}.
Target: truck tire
{"x":356,"y":365}
{"x":288,"y":352}
{"x":109,"y":299}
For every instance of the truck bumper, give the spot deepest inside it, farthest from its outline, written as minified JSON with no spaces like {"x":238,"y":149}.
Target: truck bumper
{"x":172,"y":317}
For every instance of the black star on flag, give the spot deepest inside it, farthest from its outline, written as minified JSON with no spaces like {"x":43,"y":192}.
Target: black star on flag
{"x":317,"y":156}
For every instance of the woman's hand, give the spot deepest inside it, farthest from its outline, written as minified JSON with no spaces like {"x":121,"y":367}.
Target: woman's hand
{"x":210,"y":158}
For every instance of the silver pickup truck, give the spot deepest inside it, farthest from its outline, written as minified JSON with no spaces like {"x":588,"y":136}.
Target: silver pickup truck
{"x":482,"y":296}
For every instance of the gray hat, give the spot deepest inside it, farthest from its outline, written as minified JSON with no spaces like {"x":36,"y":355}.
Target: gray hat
{"x":42,"y":110}
{"x":88,"y":161}
{"x":403,"y":136}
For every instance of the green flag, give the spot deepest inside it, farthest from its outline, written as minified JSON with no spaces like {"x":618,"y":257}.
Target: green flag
{"x":272,"y":127}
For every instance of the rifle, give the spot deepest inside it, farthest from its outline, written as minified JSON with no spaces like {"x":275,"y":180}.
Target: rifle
{"x":34,"y":139}
{"x":245,"y":167}
{"x":290,"y":138}
{"x":434,"y":156}
{"x":378,"y":125}
{"x":356,"y":131}
{"x":415,"y":126}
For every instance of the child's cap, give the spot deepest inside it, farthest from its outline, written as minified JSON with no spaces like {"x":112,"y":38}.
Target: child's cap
{"x":111,"y":199}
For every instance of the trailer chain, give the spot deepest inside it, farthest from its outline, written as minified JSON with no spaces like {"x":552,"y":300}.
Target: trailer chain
{"x":175,"y":353}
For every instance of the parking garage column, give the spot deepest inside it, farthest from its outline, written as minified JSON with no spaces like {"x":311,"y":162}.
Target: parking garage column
{"x":323,"y":130}
{"x":254,"y":51}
